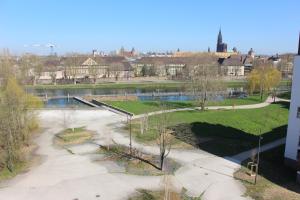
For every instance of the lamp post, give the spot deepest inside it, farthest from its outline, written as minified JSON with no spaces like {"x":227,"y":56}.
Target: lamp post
{"x":259,"y":144}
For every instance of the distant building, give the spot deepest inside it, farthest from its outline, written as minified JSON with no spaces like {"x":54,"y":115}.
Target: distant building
{"x":127,"y":54}
{"x":251,"y":53}
{"x":232,"y":66}
{"x":97,"y":67}
{"x":292,"y":147}
{"x":221,"y":47}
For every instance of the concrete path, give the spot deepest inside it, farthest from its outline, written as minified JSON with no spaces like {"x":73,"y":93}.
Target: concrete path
{"x":201,"y":172}
{"x":268,"y":101}
{"x":247,"y":154}
{"x":63,"y":176}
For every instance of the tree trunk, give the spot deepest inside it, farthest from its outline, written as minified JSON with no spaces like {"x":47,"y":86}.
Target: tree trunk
{"x":162,"y":158}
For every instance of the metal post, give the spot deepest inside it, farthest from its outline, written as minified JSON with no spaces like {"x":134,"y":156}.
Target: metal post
{"x":258,"y":154}
{"x":130,"y":142}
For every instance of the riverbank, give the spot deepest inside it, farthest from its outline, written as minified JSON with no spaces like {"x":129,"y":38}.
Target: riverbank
{"x":139,"y":85}
{"x":128,"y":85}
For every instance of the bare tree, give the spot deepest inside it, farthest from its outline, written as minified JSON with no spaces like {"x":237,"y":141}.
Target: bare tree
{"x":72,"y":64}
{"x":205,"y":82}
{"x":164,"y":138}
{"x":116,"y":68}
{"x":6,"y":69}
{"x":94,"y":72}
{"x":53,"y":77}
{"x":16,"y":120}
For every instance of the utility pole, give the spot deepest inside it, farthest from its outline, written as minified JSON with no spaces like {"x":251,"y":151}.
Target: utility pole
{"x":258,"y":154}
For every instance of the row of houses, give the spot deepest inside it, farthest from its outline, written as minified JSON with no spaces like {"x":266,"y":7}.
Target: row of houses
{"x":82,"y":68}
{"x":118,"y":67}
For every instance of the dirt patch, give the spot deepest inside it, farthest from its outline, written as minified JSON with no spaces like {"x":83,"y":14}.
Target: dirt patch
{"x":136,"y":166}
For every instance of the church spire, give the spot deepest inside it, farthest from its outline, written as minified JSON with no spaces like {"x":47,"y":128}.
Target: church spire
{"x":220,"y":40}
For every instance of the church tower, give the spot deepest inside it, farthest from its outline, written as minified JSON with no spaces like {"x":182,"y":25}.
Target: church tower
{"x":219,"y":42}
{"x":221,"y":47}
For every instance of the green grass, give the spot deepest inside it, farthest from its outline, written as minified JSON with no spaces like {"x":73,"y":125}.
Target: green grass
{"x":139,"y":107}
{"x":159,"y":195}
{"x":6,"y":174}
{"x":231,"y":131}
{"x":286,"y":95}
{"x":73,"y":136}
{"x":275,"y":180}
{"x":140,"y":85}
{"x":74,"y":130}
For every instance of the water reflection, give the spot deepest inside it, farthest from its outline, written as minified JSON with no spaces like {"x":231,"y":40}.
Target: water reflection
{"x":64,"y":103}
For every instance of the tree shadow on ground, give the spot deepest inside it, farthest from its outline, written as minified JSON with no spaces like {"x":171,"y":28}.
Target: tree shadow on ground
{"x":227,"y":141}
{"x":272,"y":168}
{"x":283,"y":104}
{"x":222,"y":140}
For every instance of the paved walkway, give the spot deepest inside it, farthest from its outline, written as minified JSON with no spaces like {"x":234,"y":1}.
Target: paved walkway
{"x":65,"y":176}
{"x":268,"y":101}
{"x":247,"y":154}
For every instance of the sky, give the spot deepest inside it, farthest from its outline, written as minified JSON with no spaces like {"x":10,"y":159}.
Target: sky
{"x":267,"y":26}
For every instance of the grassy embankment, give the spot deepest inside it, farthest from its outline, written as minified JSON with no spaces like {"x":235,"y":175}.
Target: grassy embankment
{"x":135,"y":85}
{"x":142,"y":85}
{"x":275,"y":180}
{"x":222,"y":132}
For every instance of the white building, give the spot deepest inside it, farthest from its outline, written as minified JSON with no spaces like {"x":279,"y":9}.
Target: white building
{"x":292,"y":148}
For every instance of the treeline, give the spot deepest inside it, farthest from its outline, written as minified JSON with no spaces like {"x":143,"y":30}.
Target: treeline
{"x":17,"y":118}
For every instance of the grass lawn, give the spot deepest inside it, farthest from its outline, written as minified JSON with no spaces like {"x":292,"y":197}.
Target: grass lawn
{"x":73,"y":136}
{"x":27,"y":159}
{"x":139,"y":85}
{"x":142,"y":194}
{"x":140,"y":107}
{"x":275,"y":180}
{"x":142,"y":85}
{"x":229,"y":131}
{"x":19,"y":168}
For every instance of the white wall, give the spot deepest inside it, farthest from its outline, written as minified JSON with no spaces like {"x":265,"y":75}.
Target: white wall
{"x":292,"y":140}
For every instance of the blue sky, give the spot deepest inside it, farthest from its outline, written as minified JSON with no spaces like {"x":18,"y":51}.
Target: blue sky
{"x":268,"y":26}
